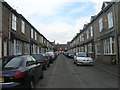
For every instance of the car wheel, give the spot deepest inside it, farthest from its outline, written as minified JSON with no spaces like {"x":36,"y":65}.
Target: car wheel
{"x":42,"y":75}
{"x":77,"y":63}
{"x":74,"y":62}
{"x":48,"y":65}
{"x":44,"y":67}
{"x":32,"y":86}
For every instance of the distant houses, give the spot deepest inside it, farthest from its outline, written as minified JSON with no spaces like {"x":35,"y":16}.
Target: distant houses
{"x":18,"y":36}
{"x":61,"y":47}
{"x":101,"y":36}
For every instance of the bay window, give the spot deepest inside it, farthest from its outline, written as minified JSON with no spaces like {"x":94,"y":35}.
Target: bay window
{"x":98,"y":48}
{"x":90,"y":48}
{"x":109,"y":46}
{"x":26,"y":48}
{"x":16,"y":47}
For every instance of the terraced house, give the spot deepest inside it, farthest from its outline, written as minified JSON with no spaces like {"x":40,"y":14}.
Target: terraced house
{"x":17,"y":35}
{"x":118,"y":33}
{"x":0,"y":29}
{"x":99,"y":37}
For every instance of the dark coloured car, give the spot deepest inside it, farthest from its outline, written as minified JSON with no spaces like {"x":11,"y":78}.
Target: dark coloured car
{"x":56,"y":54}
{"x":42,"y":59}
{"x":6,"y":59}
{"x":49,"y":57}
{"x":20,"y":72}
{"x":70,"y":54}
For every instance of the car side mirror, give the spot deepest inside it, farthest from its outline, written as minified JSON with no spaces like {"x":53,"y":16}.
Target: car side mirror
{"x":74,"y":56}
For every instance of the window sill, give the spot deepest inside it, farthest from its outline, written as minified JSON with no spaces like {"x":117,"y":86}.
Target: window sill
{"x":109,"y":54}
{"x":98,"y":54}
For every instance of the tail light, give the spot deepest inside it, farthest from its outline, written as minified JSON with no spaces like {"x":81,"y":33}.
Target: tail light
{"x":42,"y":61}
{"x":19,"y":74}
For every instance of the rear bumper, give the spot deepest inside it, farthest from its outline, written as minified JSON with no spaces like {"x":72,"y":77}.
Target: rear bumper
{"x":85,"y":63}
{"x":11,"y":85}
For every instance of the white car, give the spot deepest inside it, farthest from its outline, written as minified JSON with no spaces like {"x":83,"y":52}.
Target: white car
{"x":52,"y":54}
{"x":83,"y":58}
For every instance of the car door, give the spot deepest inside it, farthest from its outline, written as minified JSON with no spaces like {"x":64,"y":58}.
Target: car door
{"x":32,"y":68}
{"x":38,"y":68}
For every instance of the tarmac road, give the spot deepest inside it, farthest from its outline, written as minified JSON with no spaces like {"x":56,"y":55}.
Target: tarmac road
{"x":64,"y":74}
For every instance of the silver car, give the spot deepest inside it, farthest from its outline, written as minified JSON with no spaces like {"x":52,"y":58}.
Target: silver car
{"x":83,"y":58}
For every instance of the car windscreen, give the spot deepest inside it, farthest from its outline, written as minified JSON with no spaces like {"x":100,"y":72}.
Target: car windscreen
{"x":71,"y":52}
{"x":37,"y":56}
{"x":14,"y":63}
{"x":5,"y":60}
{"x":47,"y":54}
{"x":83,"y":55}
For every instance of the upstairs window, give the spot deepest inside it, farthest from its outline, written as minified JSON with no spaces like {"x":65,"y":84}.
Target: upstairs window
{"x":87,"y":34}
{"x":83,"y":37}
{"x":80,"y":38}
{"x":91,"y":31}
{"x":31,"y":33}
{"x":35,"y":36}
{"x":14,"y":22}
{"x":22,"y":26}
{"x":110,"y":20}
{"x":42,"y":39}
{"x":100,"y":24}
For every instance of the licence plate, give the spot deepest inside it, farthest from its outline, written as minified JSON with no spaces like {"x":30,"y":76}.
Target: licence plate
{"x":1,"y":79}
{"x":86,"y":62}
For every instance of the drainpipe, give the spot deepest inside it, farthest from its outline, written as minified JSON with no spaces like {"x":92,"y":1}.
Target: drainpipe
{"x":9,"y":31}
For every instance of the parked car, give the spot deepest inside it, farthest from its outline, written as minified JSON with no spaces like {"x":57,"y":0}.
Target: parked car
{"x":20,"y":72}
{"x":83,"y":58}
{"x":70,"y":54}
{"x":6,"y":59}
{"x":65,"y":53}
{"x":56,"y":54}
{"x":42,"y":59}
{"x":52,"y":54}
{"x":49,"y":57}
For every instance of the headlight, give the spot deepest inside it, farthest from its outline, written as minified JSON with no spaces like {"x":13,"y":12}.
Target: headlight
{"x":90,"y":60}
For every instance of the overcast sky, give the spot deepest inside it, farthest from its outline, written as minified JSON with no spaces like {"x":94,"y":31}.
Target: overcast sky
{"x":57,"y":20}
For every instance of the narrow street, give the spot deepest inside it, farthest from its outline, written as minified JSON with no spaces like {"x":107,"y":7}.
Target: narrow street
{"x":64,"y":74}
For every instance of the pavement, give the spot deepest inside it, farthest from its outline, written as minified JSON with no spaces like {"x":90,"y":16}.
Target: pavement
{"x":112,"y":69}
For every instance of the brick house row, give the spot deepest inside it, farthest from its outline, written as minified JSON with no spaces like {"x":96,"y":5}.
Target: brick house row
{"x":101,"y":36}
{"x":18,"y":36}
